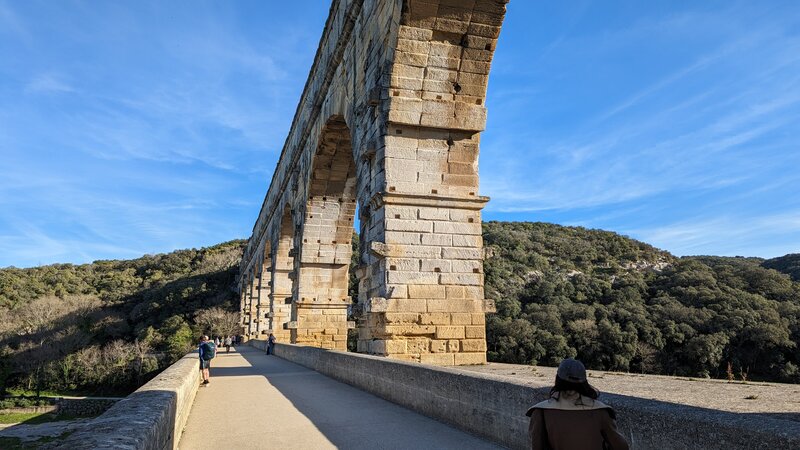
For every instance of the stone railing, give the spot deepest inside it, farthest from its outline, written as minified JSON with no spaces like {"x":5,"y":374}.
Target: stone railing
{"x":84,"y":406}
{"x":494,"y":408}
{"x":152,"y":418}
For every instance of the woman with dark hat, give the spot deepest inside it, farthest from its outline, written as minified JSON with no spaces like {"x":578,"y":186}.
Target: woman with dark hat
{"x":572,"y":418}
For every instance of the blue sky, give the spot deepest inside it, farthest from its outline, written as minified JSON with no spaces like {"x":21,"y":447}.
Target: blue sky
{"x":141,"y":127}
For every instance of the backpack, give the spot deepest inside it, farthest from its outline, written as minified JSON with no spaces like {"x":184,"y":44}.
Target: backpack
{"x":210,"y":351}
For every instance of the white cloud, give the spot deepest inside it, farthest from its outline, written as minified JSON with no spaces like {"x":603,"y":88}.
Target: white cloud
{"x":48,"y":82}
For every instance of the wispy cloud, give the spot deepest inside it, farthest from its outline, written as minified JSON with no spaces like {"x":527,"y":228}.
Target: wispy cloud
{"x":48,"y":83}
{"x":730,"y":235}
{"x":719,"y":120}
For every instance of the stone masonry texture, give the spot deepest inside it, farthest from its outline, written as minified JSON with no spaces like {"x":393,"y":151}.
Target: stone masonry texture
{"x":388,"y":126}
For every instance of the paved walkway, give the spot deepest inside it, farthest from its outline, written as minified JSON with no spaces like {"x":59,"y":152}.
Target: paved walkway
{"x":258,"y":402}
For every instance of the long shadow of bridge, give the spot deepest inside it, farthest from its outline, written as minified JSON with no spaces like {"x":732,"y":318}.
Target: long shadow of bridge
{"x":259,"y":401}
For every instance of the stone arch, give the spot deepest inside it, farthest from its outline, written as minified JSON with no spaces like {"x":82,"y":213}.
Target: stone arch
{"x":263,"y":298}
{"x":282,"y":284}
{"x":321,"y":305}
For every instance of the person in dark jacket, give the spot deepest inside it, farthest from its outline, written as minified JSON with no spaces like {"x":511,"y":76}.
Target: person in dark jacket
{"x":204,"y":350}
{"x":572,"y":418}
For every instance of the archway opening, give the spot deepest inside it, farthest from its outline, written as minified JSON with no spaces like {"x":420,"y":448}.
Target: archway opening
{"x":323,"y":301}
{"x":282,"y":282}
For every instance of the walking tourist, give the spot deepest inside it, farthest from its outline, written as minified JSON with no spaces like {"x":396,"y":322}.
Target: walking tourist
{"x":228,"y":343}
{"x":573,"y":418}
{"x":207,"y":351}
{"x":271,"y":344}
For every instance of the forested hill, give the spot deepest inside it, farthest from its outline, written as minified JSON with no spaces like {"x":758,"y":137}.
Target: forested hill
{"x":110,"y":325}
{"x":789,"y":264}
{"x":620,"y":304}
{"x":611,"y":301}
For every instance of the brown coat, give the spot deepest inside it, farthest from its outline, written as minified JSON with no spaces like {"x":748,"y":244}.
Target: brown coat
{"x":573,"y":422}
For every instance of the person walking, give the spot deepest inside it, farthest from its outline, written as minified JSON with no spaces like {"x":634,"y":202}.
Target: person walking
{"x":271,"y":344}
{"x":207,"y":350}
{"x":228,"y":343}
{"x":572,"y":418}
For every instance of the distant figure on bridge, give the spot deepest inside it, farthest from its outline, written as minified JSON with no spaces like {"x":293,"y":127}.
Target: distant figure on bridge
{"x":207,"y":351}
{"x":572,"y":418}
{"x":228,"y":343}
{"x":271,"y":344}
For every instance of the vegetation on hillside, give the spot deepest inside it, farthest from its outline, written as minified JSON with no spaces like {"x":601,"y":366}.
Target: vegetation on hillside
{"x":611,"y":301}
{"x":109,"y":326}
{"x":619,"y":304}
{"x":789,"y":264}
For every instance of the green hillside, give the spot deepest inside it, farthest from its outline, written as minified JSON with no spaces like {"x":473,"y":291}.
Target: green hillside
{"x":611,"y":301}
{"x":788,"y":264}
{"x":620,"y":304}
{"x":111,"y":325}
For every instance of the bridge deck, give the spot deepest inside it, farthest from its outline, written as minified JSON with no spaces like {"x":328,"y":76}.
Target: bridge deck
{"x":256,"y":401}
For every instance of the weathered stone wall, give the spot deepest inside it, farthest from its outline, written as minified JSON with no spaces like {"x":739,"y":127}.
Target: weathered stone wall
{"x":152,"y":418}
{"x":494,"y":408}
{"x":389,"y":121}
{"x":84,"y":406}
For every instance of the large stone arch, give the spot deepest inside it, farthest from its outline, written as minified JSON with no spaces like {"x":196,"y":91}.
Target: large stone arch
{"x":390,"y":119}
{"x":320,"y":308}
{"x":282,"y":276}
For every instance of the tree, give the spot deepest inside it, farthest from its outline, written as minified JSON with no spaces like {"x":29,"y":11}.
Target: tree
{"x":217,"y":321}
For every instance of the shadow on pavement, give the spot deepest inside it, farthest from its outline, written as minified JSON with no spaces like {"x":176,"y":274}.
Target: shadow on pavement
{"x":348,"y":417}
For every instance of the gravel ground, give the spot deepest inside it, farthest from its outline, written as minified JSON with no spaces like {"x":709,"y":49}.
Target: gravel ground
{"x":772,"y":399}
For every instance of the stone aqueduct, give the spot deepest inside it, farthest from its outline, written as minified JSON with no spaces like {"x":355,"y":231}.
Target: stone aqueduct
{"x":389,"y":121}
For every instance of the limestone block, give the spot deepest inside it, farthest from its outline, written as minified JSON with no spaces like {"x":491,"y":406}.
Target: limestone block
{"x":455,"y":305}
{"x":467,"y":266}
{"x":412,"y":278}
{"x":411,"y":330}
{"x":401,"y":318}
{"x":453,"y":346}
{"x":426,"y":291}
{"x":464,"y":279}
{"x":462,"y":253}
{"x":449,"y":332}
{"x":473,"y":345}
{"x":440,"y":359}
{"x":418,"y":346}
{"x":409,"y":225}
{"x":460,"y":240}
{"x":441,"y":318}
{"x":438,"y":346}
{"x":475,"y":332}
{"x":455,"y":291}
{"x":419,"y":34}
{"x":479,"y":319}
{"x":426,"y":213}
{"x":402,"y":264}
{"x":457,"y":228}
{"x":421,"y":59}
{"x":436,"y":265}
{"x":461,"y":318}
{"x":465,"y":359}
{"x":444,"y":240}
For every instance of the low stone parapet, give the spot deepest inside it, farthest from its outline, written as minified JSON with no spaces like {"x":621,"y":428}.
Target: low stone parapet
{"x":84,"y":406}
{"x":151,"y":418}
{"x":494,"y":408}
